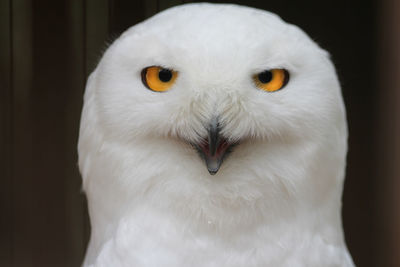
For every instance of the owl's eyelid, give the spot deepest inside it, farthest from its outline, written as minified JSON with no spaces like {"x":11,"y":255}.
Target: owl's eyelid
{"x":270,"y":67}
{"x":162,"y":66}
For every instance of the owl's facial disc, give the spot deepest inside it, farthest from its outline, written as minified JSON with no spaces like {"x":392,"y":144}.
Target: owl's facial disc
{"x":214,"y":148}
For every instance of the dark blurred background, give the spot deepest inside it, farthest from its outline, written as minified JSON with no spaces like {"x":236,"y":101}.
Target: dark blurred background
{"x":47,"y":50}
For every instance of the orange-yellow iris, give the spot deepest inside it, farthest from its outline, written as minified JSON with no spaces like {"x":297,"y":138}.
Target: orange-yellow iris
{"x":271,"y":80}
{"x":158,"y":79}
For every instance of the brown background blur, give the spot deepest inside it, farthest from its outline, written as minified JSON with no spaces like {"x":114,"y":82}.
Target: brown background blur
{"x":48,"y":48}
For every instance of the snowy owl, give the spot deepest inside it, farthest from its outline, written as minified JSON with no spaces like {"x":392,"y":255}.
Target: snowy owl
{"x":214,"y":135}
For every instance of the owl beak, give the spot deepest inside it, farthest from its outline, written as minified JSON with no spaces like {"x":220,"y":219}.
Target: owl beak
{"x":214,"y":148}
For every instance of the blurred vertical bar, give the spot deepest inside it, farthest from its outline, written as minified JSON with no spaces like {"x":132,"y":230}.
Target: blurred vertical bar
{"x":76,"y":207}
{"x":22,"y":152}
{"x":48,"y":103}
{"x":5,"y":134}
{"x":97,"y":31}
{"x":388,"y":172}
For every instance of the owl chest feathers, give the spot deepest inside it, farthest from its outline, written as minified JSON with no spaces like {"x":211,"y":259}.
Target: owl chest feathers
{"x":150,"y":238}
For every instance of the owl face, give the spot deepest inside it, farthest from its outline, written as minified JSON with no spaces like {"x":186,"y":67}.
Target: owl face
{"x":214,"y":80}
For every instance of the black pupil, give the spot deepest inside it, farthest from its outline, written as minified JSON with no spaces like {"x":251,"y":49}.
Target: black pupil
{"x":265,"y":76}
{"x":165,"y":75}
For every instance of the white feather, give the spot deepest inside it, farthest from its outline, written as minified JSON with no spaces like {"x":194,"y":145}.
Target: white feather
{"x":276,"y":201}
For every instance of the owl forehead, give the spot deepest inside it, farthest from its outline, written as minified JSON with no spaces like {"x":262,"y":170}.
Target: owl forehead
{"x":216,"y":28}
{"x":211,"y":36}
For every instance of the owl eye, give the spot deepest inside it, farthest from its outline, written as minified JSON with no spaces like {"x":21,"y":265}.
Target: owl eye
{"x":271,"y":80}
{"x":158,"y":79}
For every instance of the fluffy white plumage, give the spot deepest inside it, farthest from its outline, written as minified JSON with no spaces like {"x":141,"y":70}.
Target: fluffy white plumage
{"x":275,"y":201}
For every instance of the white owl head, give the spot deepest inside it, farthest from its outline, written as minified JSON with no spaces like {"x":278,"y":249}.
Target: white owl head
{"x":212,"y":60}
{"x":205,"y":89}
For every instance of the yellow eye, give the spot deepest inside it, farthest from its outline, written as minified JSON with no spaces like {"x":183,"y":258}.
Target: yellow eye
{"x":158,"y":79}
{"x":271,"y":80}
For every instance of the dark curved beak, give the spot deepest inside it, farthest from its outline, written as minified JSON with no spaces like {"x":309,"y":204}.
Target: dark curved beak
{"x":214,"y":148}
